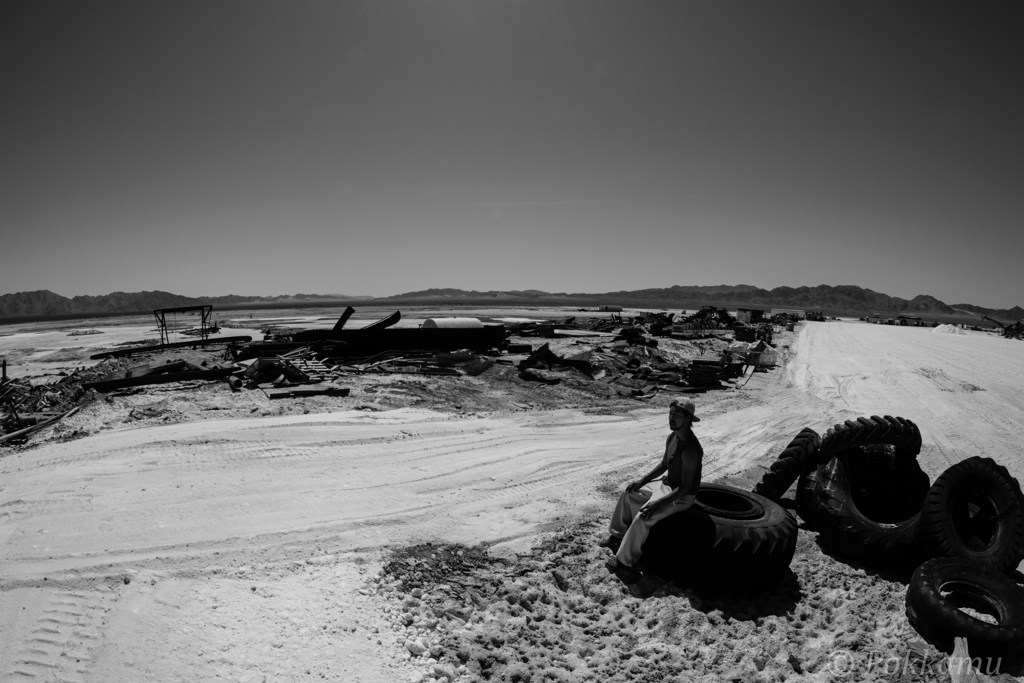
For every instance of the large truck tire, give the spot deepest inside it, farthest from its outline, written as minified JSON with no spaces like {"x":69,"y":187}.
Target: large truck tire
{"x":866,"y":431}
{"x":790,"y":464}
{"x":939,"y":589}
{"x":806,"y":487}
{"x":867,"y":504}
{"x":730,"y":538}
{"x":975,"y":511}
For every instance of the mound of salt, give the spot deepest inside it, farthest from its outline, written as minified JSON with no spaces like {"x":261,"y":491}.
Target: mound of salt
{"x":948,"y":329}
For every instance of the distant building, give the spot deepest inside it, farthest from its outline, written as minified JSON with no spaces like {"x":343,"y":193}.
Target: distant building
{"x":911,"y":320}
{"x":610,"y":309}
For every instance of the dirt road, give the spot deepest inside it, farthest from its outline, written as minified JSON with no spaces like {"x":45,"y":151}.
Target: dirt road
{"x":240,"y":549}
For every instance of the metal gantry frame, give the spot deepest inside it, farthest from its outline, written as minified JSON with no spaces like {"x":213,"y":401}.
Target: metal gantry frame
{"x":204,"y":312}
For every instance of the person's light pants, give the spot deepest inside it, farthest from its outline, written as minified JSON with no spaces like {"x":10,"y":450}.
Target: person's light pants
{"x":628,"y":525}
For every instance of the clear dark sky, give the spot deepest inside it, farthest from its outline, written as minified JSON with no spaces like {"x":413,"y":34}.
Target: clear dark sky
{"x":208,"y":147}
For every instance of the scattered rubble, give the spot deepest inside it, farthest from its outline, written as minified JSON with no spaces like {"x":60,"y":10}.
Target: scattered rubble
{"x":341,"y":344}
{"x":27,"y":407}
{"x":1014,"y":331}
{"x":175,"y":371}
{"x":591,"y":363}
{"x":1009,"y":330}
{"x":133,"y":348}
{"x":708,"y":321}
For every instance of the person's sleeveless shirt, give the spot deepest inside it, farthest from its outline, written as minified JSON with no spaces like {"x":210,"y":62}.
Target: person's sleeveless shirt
{"x":674,"y":449}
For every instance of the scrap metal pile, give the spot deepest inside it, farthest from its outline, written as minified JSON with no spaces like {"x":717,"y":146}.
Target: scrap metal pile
{"x":623,"y":353}
{"x":653,"y":324}
{"x":26,"y":408}
{"x":630,"y":359}
{"x":1014,"y":331}
{"x":292,"y":376}
{"x":752,"y":333}
{"x":279,"y":377}
{"x":175,"y":371}
{"x":657,"y":324}
{"x":569,"y":327}
{"x":635,"y":369}
{"x":784,"y":319}
{"x":341,"y":344}
{"x":1009,"y":330}
{"x":308,"y":362}
{"x":451,"y":364}
{"x":708,"y":321}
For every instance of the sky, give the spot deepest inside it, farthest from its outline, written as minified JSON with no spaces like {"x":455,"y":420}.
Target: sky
{"x":219,"y":147}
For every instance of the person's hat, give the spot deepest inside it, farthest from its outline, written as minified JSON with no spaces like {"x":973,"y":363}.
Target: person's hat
{"x":687,"y":405}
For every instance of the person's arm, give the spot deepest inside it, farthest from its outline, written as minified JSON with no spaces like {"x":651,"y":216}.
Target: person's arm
{"x":689,"y":471}
{"x":647,"y":478}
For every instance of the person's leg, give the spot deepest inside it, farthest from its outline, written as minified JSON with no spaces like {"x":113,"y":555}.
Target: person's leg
{"x":628,"y":505}
{"x":632,"y":542}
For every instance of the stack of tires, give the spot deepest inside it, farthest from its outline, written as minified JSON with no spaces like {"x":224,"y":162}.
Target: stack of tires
{"x":865,"y":493}
{"x":861,"y":488}
{"x":972,"y":526}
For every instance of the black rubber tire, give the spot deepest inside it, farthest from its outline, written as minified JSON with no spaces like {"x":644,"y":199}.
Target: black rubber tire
{"x":730,"y":538}
{"x":806,"y":486}
{"x":956,"y":520}
{"x":867,"y":504}
{"x":939,"y":619}
{"x":865,"y":431}
{"x":790,"y":464}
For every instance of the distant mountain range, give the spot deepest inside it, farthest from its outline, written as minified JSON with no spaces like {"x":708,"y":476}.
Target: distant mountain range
{"x":839,"y":300}
{"x":842,"y":299}
{"x":45,"y":303}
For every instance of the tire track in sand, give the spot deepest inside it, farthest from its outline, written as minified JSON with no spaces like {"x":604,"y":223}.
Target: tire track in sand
{"x":62,"y":642}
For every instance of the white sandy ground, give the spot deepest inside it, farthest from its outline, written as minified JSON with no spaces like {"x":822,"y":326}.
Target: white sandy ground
{"x":241,"y":550}
{"x":35,"y":351}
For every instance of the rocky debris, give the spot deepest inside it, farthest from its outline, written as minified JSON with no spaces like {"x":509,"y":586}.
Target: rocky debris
{"x":556,"y":614}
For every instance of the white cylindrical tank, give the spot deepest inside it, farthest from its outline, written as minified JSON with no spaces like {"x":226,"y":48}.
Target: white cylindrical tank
{"x":452,"y":323}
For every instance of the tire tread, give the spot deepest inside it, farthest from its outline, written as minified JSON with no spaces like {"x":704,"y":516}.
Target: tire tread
{"x":790,"y":464}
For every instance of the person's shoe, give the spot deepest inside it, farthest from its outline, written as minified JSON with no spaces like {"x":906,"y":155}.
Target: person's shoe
{"x":623,"y":571}
{"x":612,"y":543}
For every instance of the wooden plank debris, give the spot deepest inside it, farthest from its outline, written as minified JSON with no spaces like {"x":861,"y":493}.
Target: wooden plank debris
{"x":164,"y":378}
{"x":309,"y":390}
{"x":36,"y":427}
{"x":120,"y":353}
